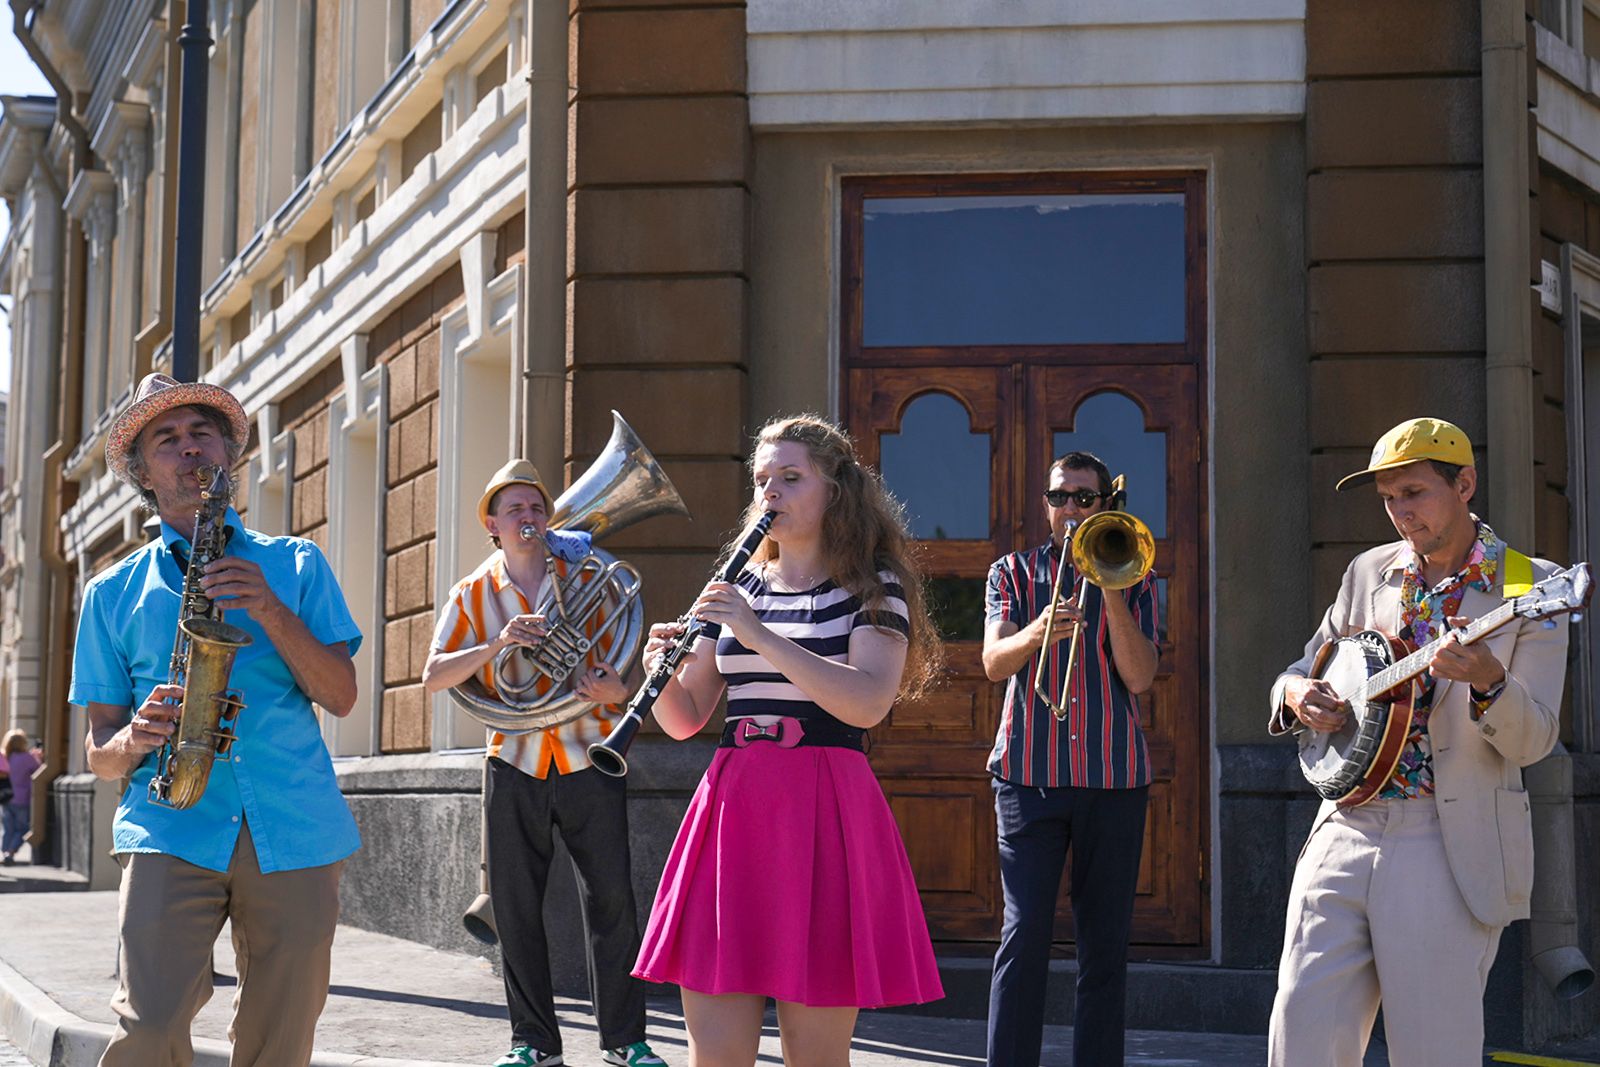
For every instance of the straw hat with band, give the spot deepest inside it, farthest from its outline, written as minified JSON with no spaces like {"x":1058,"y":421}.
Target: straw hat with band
{"x":1414,"y":441}
{"x":517,"y":472}
{"x":158,"y":394}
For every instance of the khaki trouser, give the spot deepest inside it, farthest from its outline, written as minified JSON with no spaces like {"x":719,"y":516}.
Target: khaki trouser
{"x":171,"y":914}
{"x":1374,"y":914}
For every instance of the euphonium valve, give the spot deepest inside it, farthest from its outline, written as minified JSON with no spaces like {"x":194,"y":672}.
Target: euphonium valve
{"x":596,"y":605}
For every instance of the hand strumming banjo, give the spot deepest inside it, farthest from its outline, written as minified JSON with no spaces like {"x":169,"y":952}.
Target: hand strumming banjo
{"x":1370,"y":672}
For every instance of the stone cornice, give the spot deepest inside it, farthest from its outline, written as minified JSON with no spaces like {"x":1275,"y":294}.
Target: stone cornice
{"x":122,"y":118}
{"x":25,"y":118}
{"x":140,"y":70}
{"x":89,"y":187}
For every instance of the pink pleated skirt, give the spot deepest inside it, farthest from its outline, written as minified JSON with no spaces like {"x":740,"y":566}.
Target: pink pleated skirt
{"x":788,"y":879}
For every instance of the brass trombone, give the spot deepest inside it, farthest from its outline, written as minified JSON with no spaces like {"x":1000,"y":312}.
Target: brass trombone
{"x":1112,"y":550}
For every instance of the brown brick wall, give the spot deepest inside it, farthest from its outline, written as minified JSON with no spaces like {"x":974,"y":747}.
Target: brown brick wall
{"x":408,"y":341}
{"x":1394,"y":242}
{"x":304,"y":413}
{"x":658,"y":263}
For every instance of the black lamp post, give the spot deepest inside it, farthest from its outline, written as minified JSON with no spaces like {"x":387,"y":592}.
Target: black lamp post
{"x":195,"y":43}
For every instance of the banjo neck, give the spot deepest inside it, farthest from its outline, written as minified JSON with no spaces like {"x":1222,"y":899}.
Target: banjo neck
{"x":1403,"y":670}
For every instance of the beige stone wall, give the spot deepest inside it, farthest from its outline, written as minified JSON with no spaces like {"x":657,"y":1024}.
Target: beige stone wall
{"x":658,"y":262}
{"x":1394,"y":243}
{"x":253,"y":26}
{"x":325,"y":90}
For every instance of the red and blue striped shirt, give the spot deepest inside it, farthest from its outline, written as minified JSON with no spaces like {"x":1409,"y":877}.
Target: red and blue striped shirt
{"x":1099,"y":744}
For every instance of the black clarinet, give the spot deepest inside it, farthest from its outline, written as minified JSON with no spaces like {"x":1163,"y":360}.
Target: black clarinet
{"x":611,"y":755}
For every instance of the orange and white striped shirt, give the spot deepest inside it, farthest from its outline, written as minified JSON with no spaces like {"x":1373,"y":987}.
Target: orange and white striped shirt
{"x":479,"y":607}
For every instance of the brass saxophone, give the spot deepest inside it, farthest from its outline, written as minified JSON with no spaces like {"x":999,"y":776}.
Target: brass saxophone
{"x":202,"y":659}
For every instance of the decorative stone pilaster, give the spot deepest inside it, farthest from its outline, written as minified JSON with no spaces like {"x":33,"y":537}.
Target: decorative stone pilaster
{"x":92,"y":200}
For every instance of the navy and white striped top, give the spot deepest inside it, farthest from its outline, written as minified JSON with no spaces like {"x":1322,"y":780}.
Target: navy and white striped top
{"x":1100,"y":744}
{"x":819,"y":620}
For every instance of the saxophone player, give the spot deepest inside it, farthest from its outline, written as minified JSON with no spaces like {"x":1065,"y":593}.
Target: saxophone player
{"x":264,"y":842}
{"x":542,"y":780}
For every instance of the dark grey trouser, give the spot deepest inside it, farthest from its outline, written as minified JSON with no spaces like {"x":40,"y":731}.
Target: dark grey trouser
{"x":591,"y":811}
{"x":1104,"y":828}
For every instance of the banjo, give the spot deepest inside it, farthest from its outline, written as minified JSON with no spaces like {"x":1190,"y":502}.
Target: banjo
{"x":1370,"y":672}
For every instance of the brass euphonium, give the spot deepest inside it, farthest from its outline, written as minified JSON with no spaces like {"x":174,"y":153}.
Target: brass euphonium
{"x":202,"y":659}
{"x":623,"y":485}
{"x":1112,"y":550}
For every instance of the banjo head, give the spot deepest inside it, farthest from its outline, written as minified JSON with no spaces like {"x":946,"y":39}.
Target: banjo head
{"x":1336,"y":763}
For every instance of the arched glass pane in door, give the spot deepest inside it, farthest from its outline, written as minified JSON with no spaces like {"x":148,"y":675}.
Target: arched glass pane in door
{"x":939,"y":468}
{"x":1112,"y":427}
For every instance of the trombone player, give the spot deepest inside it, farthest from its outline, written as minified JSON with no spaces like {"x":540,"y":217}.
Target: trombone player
{"x":541,"y":780}
{"x":1069,"y":762}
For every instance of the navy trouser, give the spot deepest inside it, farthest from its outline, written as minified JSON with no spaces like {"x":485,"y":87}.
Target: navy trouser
{"x":591,"y":810}
{"x":1104,"y":828}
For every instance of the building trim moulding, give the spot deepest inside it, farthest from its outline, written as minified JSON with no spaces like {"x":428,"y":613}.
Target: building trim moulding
{"x":350,"y":426}
{"x":461,"y":32}
{"x":879,"y":63}
{"x":486,"y":326}
{"x":1569,"y":108}
{"x":470,"y":184}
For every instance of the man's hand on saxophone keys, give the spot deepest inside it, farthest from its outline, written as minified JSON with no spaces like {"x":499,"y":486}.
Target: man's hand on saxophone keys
{"x":155,"y":720}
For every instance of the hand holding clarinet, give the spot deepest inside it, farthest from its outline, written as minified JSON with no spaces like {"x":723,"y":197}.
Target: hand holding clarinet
{"x":668,"y":649}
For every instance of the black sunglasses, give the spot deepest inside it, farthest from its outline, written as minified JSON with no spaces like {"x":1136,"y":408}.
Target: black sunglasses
{"x":1057,"y":498}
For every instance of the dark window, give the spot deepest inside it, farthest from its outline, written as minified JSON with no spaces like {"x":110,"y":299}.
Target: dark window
{"x":939,"y":468}
{"x":1032,"y":269}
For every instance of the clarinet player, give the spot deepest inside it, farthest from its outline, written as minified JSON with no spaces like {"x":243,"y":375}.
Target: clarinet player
{"x":263,"y":844}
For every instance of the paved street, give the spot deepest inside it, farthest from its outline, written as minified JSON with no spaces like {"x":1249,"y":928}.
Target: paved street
{"x":421,"y":1007}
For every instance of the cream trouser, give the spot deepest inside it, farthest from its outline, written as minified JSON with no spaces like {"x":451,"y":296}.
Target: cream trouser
{"x":1375,"y":915}
{"x":171,"y":914}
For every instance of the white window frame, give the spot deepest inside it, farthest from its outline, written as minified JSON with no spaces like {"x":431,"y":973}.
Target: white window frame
{"x":1580,"y":283}
{"x":479,"y":346}
{"x":271,"y":476}
{"x":358,"y":443}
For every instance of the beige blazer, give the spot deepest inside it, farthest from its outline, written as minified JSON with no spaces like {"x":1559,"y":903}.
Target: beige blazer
{"x":1477,"y":766}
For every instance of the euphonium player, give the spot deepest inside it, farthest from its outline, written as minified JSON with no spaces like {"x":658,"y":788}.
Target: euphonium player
{"x":541,"y":781}
{"x":1077,"y":782}
{"x":264,"y":843}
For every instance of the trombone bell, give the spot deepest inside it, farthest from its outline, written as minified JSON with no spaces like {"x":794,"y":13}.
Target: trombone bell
{"x":1113,"y":549}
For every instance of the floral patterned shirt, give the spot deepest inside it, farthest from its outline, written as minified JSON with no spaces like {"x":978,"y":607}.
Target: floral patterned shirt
{"x":1423,"y":615}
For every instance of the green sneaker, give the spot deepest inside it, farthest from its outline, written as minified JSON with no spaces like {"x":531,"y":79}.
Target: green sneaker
{"x":528,"y":1056}
{"x":637,"y":1054}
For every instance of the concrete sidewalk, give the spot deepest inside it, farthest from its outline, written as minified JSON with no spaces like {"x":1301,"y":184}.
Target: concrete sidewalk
{"x":395,"y":1003}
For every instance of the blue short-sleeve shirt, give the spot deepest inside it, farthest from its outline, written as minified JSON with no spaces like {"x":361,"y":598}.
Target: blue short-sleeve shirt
{"x":278,"y":776}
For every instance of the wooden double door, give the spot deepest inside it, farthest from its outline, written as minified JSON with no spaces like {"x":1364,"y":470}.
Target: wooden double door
{"x":968,"y":447}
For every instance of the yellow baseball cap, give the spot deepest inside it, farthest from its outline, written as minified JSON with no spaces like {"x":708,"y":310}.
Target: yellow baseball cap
{"x":1411,"y":442}
{"x":517,"y":472}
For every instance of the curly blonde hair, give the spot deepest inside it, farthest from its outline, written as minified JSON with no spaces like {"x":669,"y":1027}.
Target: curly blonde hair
{"x":863,"y":532}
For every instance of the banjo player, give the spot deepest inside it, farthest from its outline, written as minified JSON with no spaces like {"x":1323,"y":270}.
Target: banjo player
{"x":1403,"y":899}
